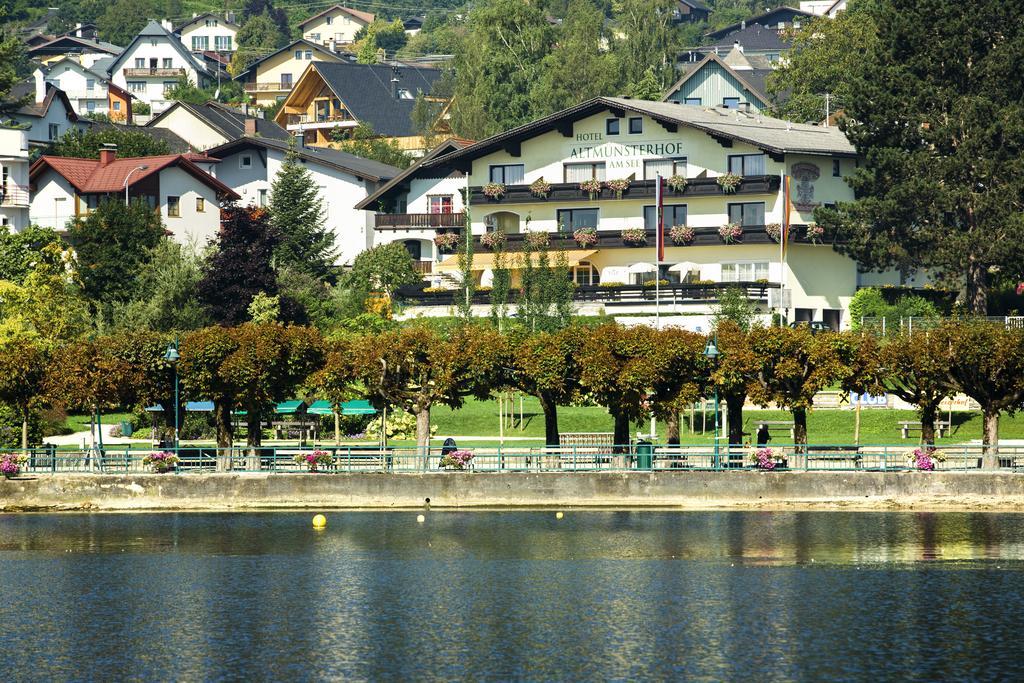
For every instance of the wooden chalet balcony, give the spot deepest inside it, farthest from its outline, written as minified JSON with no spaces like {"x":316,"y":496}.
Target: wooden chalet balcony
{"x":157,"y":73}
{"x":423,"y":267}
{"x":638,"y":189}
{"x":413,"y":221}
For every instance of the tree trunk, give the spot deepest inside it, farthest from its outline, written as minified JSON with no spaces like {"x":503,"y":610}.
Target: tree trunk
{"x":551,"y":437}
{"x":927,"y":413}
{"x":672,"y":428}
{"x":24,"y":434}
{"x":977,"y":288}
{"x":255,"y":436}
{"x":225,"y":435}
{"x":423,"y":429}
{"x":990,"y":439}
{"x":734,"y":407}
{"x":337,"y":427}
{"x":621,"y":437}
{"x":799,"y":425}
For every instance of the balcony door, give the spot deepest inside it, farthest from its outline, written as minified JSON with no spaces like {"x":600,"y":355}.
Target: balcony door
{"x":440,"y":203}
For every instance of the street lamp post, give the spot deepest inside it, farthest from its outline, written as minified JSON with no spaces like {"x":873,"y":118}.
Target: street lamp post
{"x":172,"y":356}
{"x":127,"y":177}
{"x":711,"y":353}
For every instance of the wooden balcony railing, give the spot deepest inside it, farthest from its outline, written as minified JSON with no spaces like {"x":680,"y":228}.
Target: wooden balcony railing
{"x":159,"y":73}
{"x":268,"y":87}
{"x":423,"y":267}
{"x":638,"y":189}
{"x":407,"y":221}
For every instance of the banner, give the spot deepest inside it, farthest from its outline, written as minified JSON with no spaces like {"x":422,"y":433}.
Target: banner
{"x":786,"y":206}
{"x":659,"y":200}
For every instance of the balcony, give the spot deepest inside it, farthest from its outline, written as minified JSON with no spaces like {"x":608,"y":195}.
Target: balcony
{"x":14,"y":195}
{"x":638,"y":189}
{"x":154,"y":72}
{"x":423,"y":267}
{"x":268,"y":87}
{"x":417,"y":221}
{"x":307,"y":122}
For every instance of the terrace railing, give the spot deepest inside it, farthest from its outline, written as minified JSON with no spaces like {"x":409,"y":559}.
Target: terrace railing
{"x":578,"y":458}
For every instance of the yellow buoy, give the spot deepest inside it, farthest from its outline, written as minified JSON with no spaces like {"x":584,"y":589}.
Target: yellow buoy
{"x":421,"y":519}
{"x":558,"y":515}
{"x":319,"y":522}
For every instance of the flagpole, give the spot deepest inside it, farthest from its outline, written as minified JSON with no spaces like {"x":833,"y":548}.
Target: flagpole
{"x":659,"y":248}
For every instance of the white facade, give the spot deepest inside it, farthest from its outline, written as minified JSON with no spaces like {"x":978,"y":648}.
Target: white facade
{"x":210,"y":33}
{"x":14,"y":191}
{"x":247,"y":174}
{"x":53,"y":202}
{"x":426,"y":196}
{"x":823,"y":7}
{"x":45,"y":127}
{"x":337,"y":26}
{"x":150,"y":66}
{"x":193,"y":130}
{"x":86,"y":90}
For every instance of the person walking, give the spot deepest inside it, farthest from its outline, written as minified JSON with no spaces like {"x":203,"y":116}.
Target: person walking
{"x":763,"y":437}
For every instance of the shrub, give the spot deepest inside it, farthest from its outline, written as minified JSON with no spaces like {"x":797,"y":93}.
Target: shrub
{"x":634,"y":236}
{"x":729,"y":182}
{"x":400,"y":425}
{"x":164,"y":461}
{"x":611,"y":284}
{"x":315,"y":459}
{"x":540,"y":188}
{"x":869,"y":302}
{"x":456,"y":460}
{"x":681,"y":234}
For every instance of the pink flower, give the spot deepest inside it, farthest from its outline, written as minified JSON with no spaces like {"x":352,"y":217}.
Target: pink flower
{"x":1020,"y":288}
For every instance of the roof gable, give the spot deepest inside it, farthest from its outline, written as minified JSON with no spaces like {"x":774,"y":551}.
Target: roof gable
{"x":446,"y":147}
{"x":88,"y":177}
{"x":155,"y":30}
{"x":364,"y":17}
{"x":744,"y":80}
{"x":202,"y":17}
{"x":301,"y":42}
{"x":222,"y":119}
{"x":769,"y":18}
{"x":366,"y":169}
{"x":64,"y":44}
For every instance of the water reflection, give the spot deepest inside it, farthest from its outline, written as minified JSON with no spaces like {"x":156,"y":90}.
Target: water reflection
{"x":513,"y":595}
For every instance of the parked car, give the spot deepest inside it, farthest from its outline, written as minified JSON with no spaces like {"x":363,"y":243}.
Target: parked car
{"x":815,"y":326}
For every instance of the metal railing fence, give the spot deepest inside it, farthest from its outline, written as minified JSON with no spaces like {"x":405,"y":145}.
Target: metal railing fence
{"x":582,"y":458}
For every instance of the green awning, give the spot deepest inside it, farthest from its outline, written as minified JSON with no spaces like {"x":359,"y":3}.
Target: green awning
{"x":289,"y":407}
{"x":357,"y":408}
{"x":320,"y":408}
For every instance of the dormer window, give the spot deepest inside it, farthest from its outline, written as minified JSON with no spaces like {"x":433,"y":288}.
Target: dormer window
{"x":330,"y":20}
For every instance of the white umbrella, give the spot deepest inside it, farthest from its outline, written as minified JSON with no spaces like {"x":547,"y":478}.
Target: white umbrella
{"x":683,"y":267}
{"x":642,"y":268}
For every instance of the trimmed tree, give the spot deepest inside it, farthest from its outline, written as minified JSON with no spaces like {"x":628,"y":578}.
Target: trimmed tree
{"x":336,"y":381}
{"x":733,"y":373}
{"x":203,"y":353}
{"x":683,"y":374}
{"x":23,"y":366}
{"x":915,"y":368}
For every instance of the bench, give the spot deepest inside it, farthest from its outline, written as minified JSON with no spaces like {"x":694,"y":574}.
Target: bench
{"x":907,"y":426}
{"x":779,"y":424}
{"x":283,"y":430}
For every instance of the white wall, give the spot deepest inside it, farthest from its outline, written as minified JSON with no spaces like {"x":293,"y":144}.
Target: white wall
{"x":340,"y":193}
{"x":39,"y":127}
{"x":210,"y":32}
{"x":14,"y":164}
{"x":191,"y":226}
{"x":73,"y":79}
{"x":153,"y":90}
{"x":342,"y":29}
{"x":53,"y":202}
{"x":190,"y":129}
{"x":417,"y":202}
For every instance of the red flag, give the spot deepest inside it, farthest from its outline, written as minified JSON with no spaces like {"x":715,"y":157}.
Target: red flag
{"x":659,"y":196}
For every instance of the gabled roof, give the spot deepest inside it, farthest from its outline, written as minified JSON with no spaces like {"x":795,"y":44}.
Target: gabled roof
{"x":226,"y":120}
{"x":752,"y":80}
{"x":755,"y":37}
{"x":175,"y":143}
{"x":202,"y":17}
{"x":765,"y":19}
{"x":88,"y":177}
{"x":27,"y":88}
{"x":769,"y":134}
{"x":155,"y":30}
{"x":366,"y":91}
{"x":367,"y":169}
{"x":365,"y":17}
{"x":64,"y":44}
{"x":287,"y":48}
{"x":695,"y":4}
{"x":446,"y":147}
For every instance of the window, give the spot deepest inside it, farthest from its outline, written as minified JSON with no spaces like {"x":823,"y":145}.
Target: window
{"x":666,"y":167}
{"x":309,"y":54}
{"x":611,"y":127}
{"x":750,"y":271}
{"x":90,"y":106}
{"x":117,"y":105}
{"x":440,"y":203}
{"x":200,"y":205}
{"x":222,"y":43}
{"x":200,"y":43}
{"x":262,"y":198}
{"x":286,"y":81}
{"x":54,"y":131}
{"x":314,"y":36}
{"x":692,"y":100}
{"x":137,"y":86}
{"x":572,"y":219}
{"x":636,"y":125}
{"x":298,"y":54}
{"x":746,"y":164}
{"x":211,"y":22}
{"x":90,"y":84}
{"x":153,"y":42}
{"x":731,"y":102}
{"x":772,"y":56}
{"x":675,"y":214}
{"x":140,"y":63}
{"x":750,"y":213}
{"x":507,"y":174}
{"x":585,"y":274}
{"x":168,"y":62}
{"x":173,"y":206}
{"x":577,"y":173}
{"x":330,"y":20}
{"x":836,"y":170}
{"x":170,"y":85}
{"x":245,"y":161}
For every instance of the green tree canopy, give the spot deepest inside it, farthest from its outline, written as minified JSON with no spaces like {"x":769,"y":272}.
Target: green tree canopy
{"x":649,"y":40}
{"x":363,"y":141}
{"x":380,"y":269}
{"x":167,"y":297}
{"x":87,"y":144}
{"x":297,"y":216}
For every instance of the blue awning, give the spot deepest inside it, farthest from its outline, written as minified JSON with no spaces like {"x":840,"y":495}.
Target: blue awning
{"x":190,"y":407}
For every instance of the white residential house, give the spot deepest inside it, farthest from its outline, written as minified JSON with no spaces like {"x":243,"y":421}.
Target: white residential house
{"x":209,"y":31}
{"x":249,"y":165}
{"x":208,"y":125}
{"x":153,"y":63}
{"x":88,"y":90}
{"x":14,"y":192}
{"x":823,"y":8}
{"x":49,"y":113}
{"x":181,"y":186}
{"x":336,"y":25}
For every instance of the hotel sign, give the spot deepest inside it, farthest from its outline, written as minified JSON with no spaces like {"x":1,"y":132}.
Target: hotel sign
{"x":624,"y":155}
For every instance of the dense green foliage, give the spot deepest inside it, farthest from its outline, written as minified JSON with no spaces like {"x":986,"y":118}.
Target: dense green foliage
{"x":297,"y":215}
{"x":363,"y":141}
{"x":87,"y":144}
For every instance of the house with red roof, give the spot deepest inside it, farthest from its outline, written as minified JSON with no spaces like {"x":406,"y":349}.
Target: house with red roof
{"x":179,"y":186}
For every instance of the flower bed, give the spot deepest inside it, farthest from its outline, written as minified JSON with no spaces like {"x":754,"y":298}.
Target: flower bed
{"x":161,"y":462}
{"x":729,"y":182}
{"x":493,"y":240}
{"x":585,"y":237}
{"x":617,"y":186}
{"x":774,"y":231}
{"x":494,"y":190}
{"x":446,"y":241}
{"x":634,"y":237}
{"x":537,"y":239}
{"x":591,"y":187}
{"x":10,"y":464}
{"x":925,"y":458}
{"x":731,"y":232}
{"x":677,"y":183}
{"x":767,"y":459}
{"x":681,"y":234}
{"x":456,"y":460}
{"x":815,"y":232}
{"x":315,"y":459}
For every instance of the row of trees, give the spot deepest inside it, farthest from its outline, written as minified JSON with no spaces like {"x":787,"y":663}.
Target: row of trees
{"x":633,"y":372}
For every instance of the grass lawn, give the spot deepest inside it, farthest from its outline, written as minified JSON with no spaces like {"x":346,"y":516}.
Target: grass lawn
{"x":80,"y":423}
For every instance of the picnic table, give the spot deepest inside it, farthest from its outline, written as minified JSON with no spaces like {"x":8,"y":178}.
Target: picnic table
{"x":907,"y":426}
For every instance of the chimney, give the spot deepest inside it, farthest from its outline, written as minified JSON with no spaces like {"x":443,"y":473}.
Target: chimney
{"x":743,"y":24}
{"x":332,"y":45}
{"x":166,"y":23}
{"x":107,"y":154}
{"x":250,"y":126}
{"x":40,"y":80}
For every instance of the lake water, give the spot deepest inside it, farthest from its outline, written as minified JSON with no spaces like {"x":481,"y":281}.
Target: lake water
{"x":513,"y":596}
